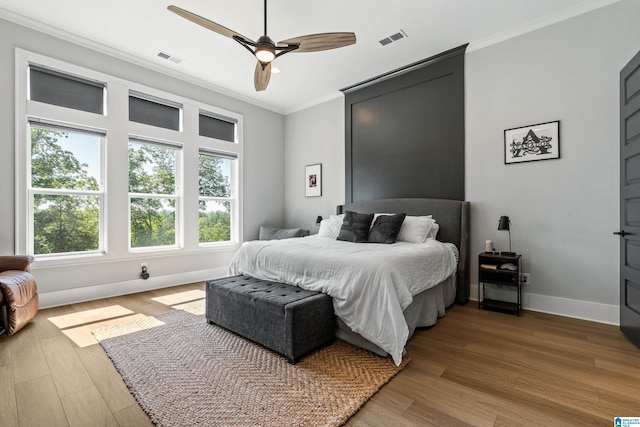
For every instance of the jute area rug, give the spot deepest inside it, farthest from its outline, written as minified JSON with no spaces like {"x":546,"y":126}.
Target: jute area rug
{"x":185,"y":372}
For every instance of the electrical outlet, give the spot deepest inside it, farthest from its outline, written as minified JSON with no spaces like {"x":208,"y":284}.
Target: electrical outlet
{"x":525,"y":278}
{"x":144,"y":274}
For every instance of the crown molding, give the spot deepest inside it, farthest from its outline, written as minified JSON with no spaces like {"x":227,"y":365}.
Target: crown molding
{"x":537,"y":24}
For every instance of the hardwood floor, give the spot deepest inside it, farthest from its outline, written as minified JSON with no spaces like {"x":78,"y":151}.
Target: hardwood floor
{"x":474,"y":367}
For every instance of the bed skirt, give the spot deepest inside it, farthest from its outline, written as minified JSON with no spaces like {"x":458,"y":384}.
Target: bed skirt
{"x":424,"y":311}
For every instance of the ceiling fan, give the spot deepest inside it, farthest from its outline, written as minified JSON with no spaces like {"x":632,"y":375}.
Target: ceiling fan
{"x":265,"y":50}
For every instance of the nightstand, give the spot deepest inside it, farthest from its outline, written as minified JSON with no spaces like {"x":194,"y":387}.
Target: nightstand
{"x":492,"y":271}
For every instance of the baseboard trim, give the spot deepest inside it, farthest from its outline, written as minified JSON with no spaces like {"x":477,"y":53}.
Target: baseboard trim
{"x":577,"y":309}
{"x":90,"y":293}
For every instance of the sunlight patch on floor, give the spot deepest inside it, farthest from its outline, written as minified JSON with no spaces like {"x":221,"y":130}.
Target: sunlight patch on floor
{"x":194,"y":307}
{"x":89,"y":316}
{"x":78,"y":326}
{"x":117,"y":330}
{"x":83,"y":337}
{"x":180,"y":297}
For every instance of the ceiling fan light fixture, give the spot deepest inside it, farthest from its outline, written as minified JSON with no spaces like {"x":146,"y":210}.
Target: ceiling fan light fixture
{"x":265,"y":55}
{"x":265,"y":50}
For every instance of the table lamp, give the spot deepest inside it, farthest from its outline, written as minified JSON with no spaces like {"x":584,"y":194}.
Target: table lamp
{"x":505,"y":224}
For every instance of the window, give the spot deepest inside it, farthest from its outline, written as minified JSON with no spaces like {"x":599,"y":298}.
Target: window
{"x":153,"y":194}
{"x":65,"y":193}
{"x":97,"y":184}
{"x":216,"y":196}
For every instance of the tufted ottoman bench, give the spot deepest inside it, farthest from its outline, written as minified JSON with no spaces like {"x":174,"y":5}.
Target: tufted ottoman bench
{"x":284,"y":318}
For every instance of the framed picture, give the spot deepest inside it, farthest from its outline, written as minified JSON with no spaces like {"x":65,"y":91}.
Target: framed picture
{"x":313,"y":180}
{"x":530,"y":143}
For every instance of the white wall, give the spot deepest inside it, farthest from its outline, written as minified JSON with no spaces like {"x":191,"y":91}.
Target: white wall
{"x":263,"y":180}
{"x":563,"y":211}
{"x":314,"y":135}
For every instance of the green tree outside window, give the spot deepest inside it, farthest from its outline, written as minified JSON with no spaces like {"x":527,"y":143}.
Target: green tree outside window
{"x":62,"y":223}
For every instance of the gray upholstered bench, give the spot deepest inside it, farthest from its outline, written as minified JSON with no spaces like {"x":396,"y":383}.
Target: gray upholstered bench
{"x":284,"y":318}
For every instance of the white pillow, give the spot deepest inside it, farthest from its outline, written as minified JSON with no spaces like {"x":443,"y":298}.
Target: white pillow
{"x":415,"y":229}
{"x":433,"y":231}
{"x":330,"y":228}
{"x":376,"y":215}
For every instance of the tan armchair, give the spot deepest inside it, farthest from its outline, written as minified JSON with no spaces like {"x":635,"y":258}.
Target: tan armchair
{"x":18,"y":293}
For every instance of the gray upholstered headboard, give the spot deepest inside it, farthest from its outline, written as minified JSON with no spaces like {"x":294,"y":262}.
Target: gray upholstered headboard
{"x":451,"y":215}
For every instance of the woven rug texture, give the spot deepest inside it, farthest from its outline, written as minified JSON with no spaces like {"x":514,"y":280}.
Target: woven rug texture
{"x":185,"y":372}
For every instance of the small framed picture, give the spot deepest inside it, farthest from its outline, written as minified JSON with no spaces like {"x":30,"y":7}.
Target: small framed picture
{"x":530,"y":143}
{"x":313,"y":180}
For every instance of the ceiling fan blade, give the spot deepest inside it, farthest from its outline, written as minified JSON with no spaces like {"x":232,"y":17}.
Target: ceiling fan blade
{"x":209,"y":25}
{"x":322,"y":41}
{"x":261,"y":76}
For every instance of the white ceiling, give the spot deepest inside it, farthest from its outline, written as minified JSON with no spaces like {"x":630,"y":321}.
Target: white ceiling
{"x":138,"y":29}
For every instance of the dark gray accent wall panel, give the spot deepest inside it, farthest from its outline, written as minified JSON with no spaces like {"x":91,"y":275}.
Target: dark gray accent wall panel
{"x":405,"y":132}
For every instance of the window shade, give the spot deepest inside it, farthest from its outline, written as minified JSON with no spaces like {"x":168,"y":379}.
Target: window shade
{"x":213,"y":127}
{"x":153,"y":113}
{"x":207,"y":152}
{"x":64,"y":90}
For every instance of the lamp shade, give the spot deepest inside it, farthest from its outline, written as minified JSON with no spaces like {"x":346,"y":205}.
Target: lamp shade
{"x":504,"y":223}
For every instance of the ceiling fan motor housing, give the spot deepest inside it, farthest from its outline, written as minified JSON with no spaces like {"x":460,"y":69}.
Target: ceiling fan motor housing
{"x":265,"y":49}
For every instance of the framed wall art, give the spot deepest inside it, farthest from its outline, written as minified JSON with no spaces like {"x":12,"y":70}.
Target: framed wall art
{"x":313,"y":180}
{"x":530,"y":143}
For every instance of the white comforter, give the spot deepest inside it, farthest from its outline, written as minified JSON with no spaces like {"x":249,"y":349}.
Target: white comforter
{"x":371,"y":284}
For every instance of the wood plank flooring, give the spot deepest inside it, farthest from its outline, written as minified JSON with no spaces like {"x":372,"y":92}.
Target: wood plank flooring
{"x":474,"y":368}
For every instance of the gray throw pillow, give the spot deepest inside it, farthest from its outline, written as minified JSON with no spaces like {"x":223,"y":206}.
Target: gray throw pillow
{"x":355,"y":227}
{"x":386,"y":228}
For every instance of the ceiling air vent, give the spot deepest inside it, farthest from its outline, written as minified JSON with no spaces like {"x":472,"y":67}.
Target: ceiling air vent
{"x":169,"y":57}
{"x":393,"y":38}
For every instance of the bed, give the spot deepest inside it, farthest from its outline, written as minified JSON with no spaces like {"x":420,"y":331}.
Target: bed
{"x":381,"y":293}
